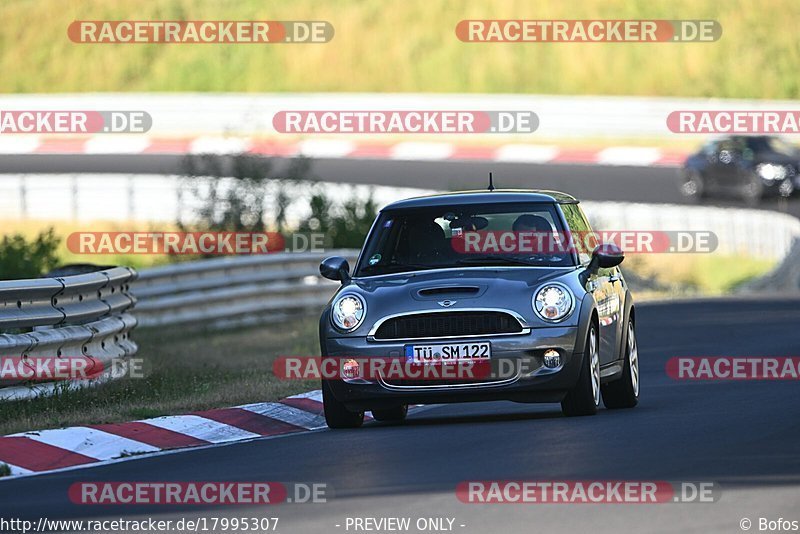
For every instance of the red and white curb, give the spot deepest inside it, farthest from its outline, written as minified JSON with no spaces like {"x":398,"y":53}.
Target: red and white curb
{"x":345,"y":149}
{"x":83,"y":446}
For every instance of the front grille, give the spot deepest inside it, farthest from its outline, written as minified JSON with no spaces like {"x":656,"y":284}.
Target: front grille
{"x":448,"y":324}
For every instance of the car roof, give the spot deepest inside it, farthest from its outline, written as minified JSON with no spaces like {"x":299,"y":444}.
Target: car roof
{"x":483,"y":197}
{"x":739,"y":137}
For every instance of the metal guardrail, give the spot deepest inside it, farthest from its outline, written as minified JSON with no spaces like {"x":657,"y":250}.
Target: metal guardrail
{"x":88,"y":314}
{"x":84,"y":315}
{"x":234,"y":291}
{"x":784,"y":279}
{"x":760,"y":234}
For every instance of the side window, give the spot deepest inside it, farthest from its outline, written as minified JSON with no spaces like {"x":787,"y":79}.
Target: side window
{"x":585,"y":220}
{"x":579,"y":231}
{"x":732,"y":149}
{"x":592,"y":241}
{"x":710,"y":148}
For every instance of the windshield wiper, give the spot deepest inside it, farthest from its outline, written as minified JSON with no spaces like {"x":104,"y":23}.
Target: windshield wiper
{"x":494,"y":260}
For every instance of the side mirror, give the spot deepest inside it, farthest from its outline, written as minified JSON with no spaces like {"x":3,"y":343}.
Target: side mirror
{"x":335,"y":268}
{"x":606,"y":256}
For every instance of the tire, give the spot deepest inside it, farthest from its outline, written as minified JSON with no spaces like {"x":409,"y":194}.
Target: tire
{"x":786,"y":189}
{"x":692,"y":186}
{"x":624,"y":391}
{"x":584,"y":398}
{"x":395,"y":414}
{"x":753,"y":191}
{"x":336,"y":415}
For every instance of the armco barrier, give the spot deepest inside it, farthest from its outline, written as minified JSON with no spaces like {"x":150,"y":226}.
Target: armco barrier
{"x":759,"y":234}
{"x":234,"y":290}
{"x":84,"y":315}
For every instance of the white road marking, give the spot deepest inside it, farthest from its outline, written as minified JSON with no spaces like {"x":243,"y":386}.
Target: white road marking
{"x":526,"y":153}
{"x":326,"y":148}
{"x":201,"y":428}
{"x":313,"y":395}
{"x":89,"y":442}
{"x":16,"y":470}
{"x":287,"y":414}
{"x":219,"y":145}
{"x":622,"y":155}
{"x":114,"y":144}
{"x":18,"y":144}
{"x":421,"y":151}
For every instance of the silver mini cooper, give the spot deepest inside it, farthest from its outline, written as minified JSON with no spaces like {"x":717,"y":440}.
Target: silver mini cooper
{"x":507,"y":285}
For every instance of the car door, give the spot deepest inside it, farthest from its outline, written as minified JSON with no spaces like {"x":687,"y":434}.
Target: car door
{"x":730,"y":171}
{"x":710,"y":162}
{"x":605,"y":286}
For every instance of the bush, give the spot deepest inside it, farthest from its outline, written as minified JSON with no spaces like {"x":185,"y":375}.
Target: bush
{"x":21,"y":258}
{"x":245,"y":193}
{"x":233,"y":191}
{"x":345,"y":227}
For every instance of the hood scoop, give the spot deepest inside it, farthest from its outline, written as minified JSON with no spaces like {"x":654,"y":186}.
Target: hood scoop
{"x":449,"y":291}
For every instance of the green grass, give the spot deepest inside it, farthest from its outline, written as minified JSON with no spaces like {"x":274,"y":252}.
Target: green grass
{"x":30,"y":228}
{"x":406,"y":46}
{"x":699,"y":274}
{"x":183,"y":373}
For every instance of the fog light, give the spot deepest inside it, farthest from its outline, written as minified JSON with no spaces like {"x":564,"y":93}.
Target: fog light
{"x":552,"y":358}
{"x":351,"y":369}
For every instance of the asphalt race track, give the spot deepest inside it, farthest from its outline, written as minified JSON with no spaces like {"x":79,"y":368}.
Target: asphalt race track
{"x":742,"y":435}
{"x":587,"y":182}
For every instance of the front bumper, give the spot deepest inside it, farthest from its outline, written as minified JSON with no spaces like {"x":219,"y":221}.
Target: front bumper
{"x":531,"y":381}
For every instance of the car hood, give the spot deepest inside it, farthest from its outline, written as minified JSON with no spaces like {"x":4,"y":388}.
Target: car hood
{"x":457,"y":289}
{"x":782,"y":159}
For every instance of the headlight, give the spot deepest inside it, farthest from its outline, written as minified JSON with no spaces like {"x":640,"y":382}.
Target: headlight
{"x":348,"y":312}
{"x":771,"y":172}
{"x":553,"y":302}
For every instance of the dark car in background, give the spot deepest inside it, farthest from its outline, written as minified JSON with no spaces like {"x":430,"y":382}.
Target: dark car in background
{"x":563,"y":319}
{"x":746,"y":167}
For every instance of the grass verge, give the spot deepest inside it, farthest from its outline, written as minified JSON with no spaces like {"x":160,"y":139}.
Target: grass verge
{"x":183,"y":373}
{"x":680,"y":275}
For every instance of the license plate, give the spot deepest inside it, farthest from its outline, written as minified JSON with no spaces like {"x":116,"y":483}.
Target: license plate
{"x":448,"y":352}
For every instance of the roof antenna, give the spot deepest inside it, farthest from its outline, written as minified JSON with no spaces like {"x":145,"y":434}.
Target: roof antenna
{"x":491,"y":183}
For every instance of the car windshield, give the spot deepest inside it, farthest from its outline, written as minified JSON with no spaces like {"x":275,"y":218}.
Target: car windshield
{"x":465,"y":236}
{"x":772,"y":144}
